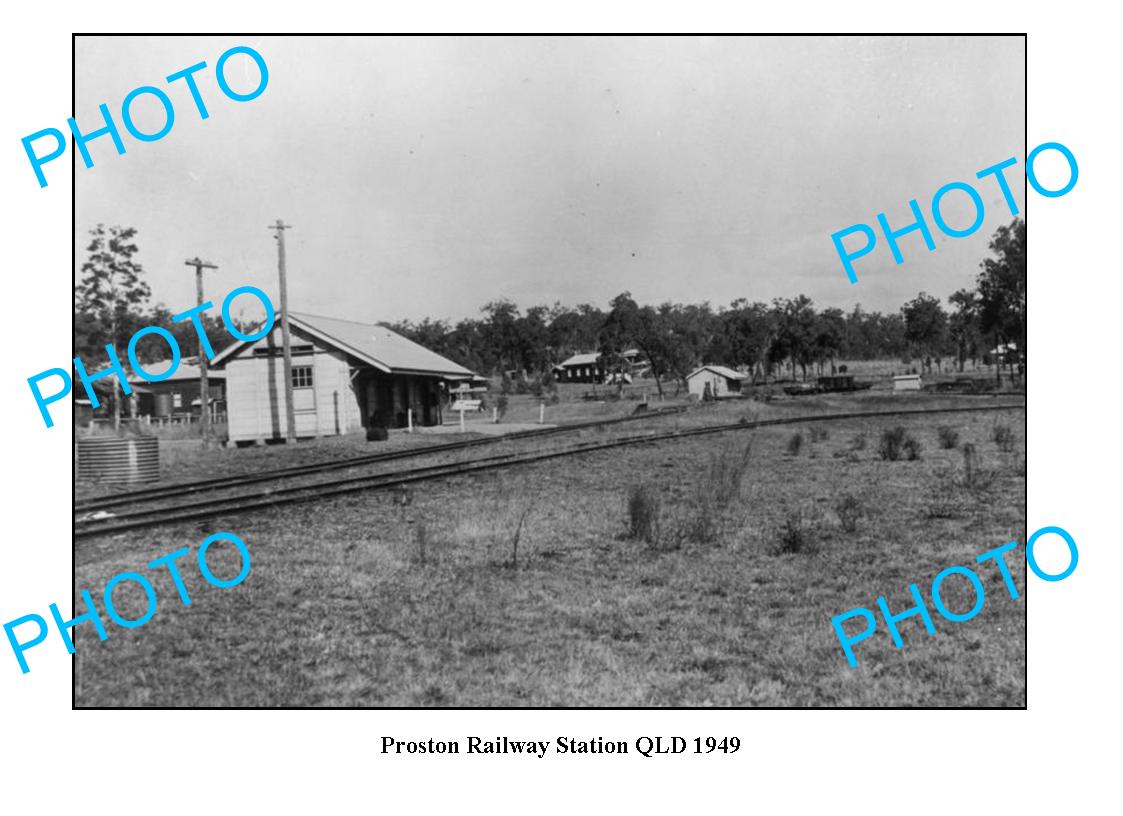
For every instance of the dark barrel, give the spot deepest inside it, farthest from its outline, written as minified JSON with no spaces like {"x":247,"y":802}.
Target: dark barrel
{"x":118,"y":460}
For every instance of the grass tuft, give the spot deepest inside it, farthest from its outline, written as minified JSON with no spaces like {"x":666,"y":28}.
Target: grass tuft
{"x":897,"y":443}
{"x":1003,"y":436}
{"x":949,"y":437}
{"x":643,"y":513}
{"x":698,"y":520}
{"x":850,"y":511}
{"x":795,"y":444}
{"x":794,"y":536}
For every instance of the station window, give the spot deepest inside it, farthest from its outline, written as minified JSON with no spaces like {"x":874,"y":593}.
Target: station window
{"x":302,"y":377}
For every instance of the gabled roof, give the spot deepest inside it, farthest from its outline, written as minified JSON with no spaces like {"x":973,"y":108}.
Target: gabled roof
{"x":186,"y":372}
{"x":378,"y":346}
{"x":581,"y":359}
{"x":721,"y":371}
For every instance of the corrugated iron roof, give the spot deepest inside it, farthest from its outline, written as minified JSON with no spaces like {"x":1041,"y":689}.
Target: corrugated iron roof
{"x":380,"y":347}
{"x":185,"y":372}
{"x":581,"y":359}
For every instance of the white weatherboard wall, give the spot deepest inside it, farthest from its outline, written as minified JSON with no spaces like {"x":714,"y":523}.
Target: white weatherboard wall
{"x":255,"y":396}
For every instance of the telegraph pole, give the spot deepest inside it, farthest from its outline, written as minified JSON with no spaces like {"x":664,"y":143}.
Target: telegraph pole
{"x":290,"y":417}
{"x":204,"y":389}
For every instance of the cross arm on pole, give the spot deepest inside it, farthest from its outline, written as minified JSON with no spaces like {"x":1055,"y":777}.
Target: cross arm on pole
{"x":198,"y":264}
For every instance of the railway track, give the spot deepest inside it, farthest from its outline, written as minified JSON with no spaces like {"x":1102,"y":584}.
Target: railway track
{"x":179,"y":489}
{"x":210,"y":507}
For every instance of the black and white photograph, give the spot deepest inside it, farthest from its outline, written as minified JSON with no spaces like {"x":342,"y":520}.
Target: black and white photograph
{"x":550,"y":371}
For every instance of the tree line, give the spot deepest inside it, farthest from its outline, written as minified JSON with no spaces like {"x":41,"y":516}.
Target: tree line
{"x":787,"y":337}
{"x":112,"y":301}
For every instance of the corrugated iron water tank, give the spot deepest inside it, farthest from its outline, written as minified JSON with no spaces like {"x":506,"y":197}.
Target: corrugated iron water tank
{"x":163,"y":405}
{"x":119,"y":460}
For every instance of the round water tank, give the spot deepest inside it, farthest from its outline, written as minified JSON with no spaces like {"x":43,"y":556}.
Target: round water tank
{"x":119,"y":460}
{"x":163,"y":405}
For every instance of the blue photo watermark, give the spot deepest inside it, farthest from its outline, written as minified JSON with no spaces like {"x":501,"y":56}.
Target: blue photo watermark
{"x":920,"y":610}
{"x":919,"y":225}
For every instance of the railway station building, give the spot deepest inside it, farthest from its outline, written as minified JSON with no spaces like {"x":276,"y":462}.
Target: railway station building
{"x":345,"y":376}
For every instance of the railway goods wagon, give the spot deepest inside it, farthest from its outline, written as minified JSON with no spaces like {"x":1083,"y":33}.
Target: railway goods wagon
{"x":345,"y":376}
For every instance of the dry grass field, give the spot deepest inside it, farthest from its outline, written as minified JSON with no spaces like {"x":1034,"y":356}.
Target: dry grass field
{"x":534,"y":586}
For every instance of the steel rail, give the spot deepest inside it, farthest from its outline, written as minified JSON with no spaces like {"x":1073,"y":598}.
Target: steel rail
{"x":306,"y":493}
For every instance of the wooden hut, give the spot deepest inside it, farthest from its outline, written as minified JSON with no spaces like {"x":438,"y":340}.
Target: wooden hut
{"x":723,"y":381}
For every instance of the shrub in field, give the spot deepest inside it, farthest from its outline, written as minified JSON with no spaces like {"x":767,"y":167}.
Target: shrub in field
{"x":819,"y":433}
{"x":795,"y":444}
{"x":1003,"y":436}
{"x":501,"y":404}
{"x":897,"y":443}
{"x":949,"y":437}
{"x":700,"y":518}
{"x":850,"y":511}
{"x":858,"y":441}
{"x":794,"y":536}
{"x":643,"y":513}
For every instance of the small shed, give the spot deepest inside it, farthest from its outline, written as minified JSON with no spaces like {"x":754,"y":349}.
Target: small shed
{"x":906,"y":382}
{"x":723,"y":382}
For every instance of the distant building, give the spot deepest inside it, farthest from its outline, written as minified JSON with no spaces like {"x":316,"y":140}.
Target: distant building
{"x":906,"y":382}
{"x":723,"y":382}
{"x":1002,"y":354}
{"x":179,"y":393}
{"x":621,"y":367}
{"x":837,"y":382}
{"x":345,"y":376}
{"x":580,"y":368}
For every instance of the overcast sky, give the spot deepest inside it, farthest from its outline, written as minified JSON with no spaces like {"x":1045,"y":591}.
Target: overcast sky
{"x":427,"y":176}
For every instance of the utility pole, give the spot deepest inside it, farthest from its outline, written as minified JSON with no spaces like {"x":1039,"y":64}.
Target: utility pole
{"x":204,"y":388}
{"x":286,"y":348}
